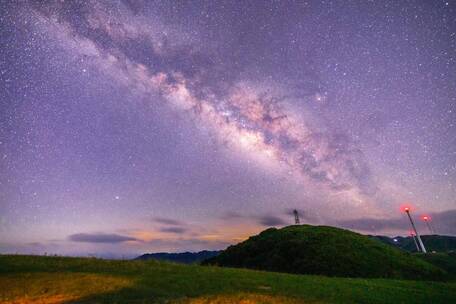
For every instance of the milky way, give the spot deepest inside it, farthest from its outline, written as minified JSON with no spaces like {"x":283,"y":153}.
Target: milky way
{"x":130,"y":126}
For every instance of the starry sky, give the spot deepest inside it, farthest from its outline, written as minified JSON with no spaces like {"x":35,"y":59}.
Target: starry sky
{"x":144,"y":126}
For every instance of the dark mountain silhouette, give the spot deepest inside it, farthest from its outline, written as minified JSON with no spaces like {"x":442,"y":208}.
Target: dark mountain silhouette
{"x":437,"y":243}
{"x":182,"y":257}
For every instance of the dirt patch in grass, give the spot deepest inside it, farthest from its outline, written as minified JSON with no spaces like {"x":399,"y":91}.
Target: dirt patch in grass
{"x":57,"y":299}
{"x":51,"y":288}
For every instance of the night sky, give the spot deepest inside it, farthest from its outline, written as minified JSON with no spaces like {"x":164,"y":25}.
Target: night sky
{"x":140,"y":126}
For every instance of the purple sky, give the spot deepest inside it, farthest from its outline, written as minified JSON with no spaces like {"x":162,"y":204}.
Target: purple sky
{"x":140,"y":126}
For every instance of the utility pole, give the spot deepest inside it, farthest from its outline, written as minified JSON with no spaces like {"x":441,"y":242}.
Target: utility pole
{"x":414,"y":241}
{"x":296,"y":217}
{"x":407,"y":210}
{"x":427,"y":220}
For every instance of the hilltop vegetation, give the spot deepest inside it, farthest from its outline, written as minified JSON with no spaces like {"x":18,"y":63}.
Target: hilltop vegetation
{"x":34,"y":279}
{"x":446,"y":261}
{"x":327,"y":251}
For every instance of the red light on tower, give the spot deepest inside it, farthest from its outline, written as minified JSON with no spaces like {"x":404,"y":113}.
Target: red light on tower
{"x":406,"y":208}
{"x":427,"y":220}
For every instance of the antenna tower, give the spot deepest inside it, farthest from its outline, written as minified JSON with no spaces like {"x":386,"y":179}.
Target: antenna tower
{"x":296,"y":217}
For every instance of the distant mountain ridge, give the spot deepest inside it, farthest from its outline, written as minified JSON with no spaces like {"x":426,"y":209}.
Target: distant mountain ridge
{"x":437,"y":243}
{"x":181,"y":257}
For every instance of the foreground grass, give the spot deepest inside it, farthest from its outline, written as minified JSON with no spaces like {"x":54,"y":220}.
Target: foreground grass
{"x":57,"y":287}
{"x":32,"y":279}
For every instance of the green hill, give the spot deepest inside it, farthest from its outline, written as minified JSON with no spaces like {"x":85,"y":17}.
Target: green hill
{"x":325,"y":250}
{"x":445,"y":261}
{"x":35,"y":279}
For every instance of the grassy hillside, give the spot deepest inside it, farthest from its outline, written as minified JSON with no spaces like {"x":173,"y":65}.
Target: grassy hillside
{"x":446,"y":261}
{"x":32,"y":279}
{"x":325,"y":250}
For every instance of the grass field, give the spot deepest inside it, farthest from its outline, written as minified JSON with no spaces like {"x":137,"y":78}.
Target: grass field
{"x":34,"y":279}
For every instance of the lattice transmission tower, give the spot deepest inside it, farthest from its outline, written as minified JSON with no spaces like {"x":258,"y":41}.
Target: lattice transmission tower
{"x":296,"y":217}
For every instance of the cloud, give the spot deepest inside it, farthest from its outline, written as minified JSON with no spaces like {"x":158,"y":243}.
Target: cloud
{"x":100,"y":238}
{"x":270,"y":220}
{"x":374,"y":224}
{"x":443,"y":223}
{"x":263,"y":220}
{"x":177,"y":230}
{"x":167,"y":221}
{"x":231,"y":215}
